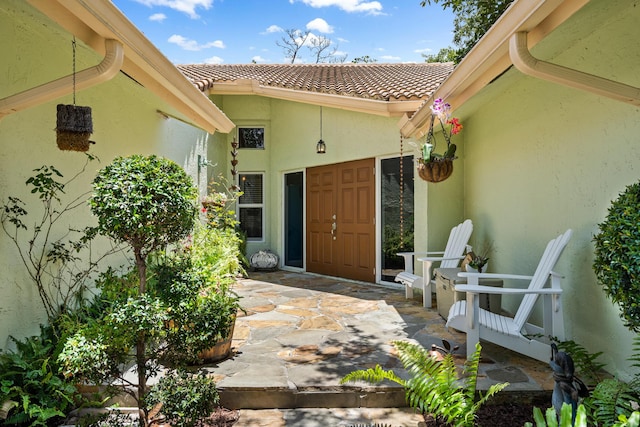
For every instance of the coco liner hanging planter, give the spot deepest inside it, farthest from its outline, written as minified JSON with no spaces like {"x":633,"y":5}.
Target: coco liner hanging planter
{"x":73,"y":127}
{"x":436,"y":170}
{"x":434,"y":167}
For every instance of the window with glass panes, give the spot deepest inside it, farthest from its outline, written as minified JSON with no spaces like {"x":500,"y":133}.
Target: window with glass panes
{"x":251,"y":205}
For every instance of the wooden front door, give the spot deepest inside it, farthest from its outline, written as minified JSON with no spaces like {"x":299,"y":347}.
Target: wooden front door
{"x":341,"y":220}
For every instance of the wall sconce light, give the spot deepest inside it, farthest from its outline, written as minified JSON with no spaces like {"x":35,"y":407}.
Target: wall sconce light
{"x":321,"y":147}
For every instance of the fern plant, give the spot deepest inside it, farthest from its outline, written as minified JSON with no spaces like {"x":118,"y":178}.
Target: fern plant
{"x":609,"y":400}
{"x":434,"y":386}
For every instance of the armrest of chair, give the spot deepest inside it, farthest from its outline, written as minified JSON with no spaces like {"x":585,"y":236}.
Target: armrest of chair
{"x":473,"y":275}
{"x":408,"y":258}
{"x":479,"y":289}
{"x":439,"y":258}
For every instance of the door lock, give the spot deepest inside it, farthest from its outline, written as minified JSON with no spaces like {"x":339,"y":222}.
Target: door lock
{"x":334,"y":227}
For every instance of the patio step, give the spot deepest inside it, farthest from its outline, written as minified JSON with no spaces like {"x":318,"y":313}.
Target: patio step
{"x":312,"y":397}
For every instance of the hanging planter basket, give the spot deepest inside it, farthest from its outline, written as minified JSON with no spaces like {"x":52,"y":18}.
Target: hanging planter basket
{"x":73,"y":127}
{"x":437,"y":170}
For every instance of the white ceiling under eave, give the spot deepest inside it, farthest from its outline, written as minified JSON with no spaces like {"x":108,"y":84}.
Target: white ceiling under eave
{"x":95,"y":21}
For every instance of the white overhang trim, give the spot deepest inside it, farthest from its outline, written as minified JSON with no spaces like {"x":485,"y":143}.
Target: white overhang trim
{"x":526,"y":63}
{"x":490,"y":56}
{"x":104,"y":71}
{"x":96,"y":20}
{"x":362,"y":105}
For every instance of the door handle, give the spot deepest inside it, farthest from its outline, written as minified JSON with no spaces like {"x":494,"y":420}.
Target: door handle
{"x":334,"y":227}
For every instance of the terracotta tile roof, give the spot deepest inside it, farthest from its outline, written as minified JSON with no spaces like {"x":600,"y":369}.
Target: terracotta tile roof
{"x":385,"y":82}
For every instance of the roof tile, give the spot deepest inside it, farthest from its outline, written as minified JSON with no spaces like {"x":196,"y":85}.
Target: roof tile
{"x":384,"y":82}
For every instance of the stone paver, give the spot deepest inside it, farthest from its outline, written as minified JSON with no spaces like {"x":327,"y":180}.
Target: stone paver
{"x":302,"y":333}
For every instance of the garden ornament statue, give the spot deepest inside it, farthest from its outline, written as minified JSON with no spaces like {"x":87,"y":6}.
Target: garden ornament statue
{"x":568,"y":388}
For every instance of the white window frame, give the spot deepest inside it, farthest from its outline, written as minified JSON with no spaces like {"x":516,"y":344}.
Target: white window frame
{"x":254,"y":205}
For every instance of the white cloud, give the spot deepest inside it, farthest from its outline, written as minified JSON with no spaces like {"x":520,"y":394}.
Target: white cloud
{"x":390,"y":58}
{"x":320,"y":25}
{"x":425,"y":50}
{"x":185,"y":6}
{"x":193,"y":45}
{"x":259,"y":60}
{"x":373,"y":7}
{"x":214,"y":60}
{"x":159,"y":17}
{"x":273,"y":29}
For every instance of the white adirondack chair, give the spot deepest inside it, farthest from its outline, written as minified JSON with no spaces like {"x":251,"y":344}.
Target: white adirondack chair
{"x":449,"y":258}
{"x":514,"y":333}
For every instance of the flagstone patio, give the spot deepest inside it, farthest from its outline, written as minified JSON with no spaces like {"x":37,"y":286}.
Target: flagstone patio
{"x":302,"y":333}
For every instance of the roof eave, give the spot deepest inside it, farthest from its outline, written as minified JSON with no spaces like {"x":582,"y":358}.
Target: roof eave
{"x":93,"y":22}
{"x":490,"y":56}
{"x":350,"y":103}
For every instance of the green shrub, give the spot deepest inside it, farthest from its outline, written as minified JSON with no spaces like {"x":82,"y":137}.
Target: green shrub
{"x":186,"y":398}
{"x":617,"y":255}
{"x":29,"y":378}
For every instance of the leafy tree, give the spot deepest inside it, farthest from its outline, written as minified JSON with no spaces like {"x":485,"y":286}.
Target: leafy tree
{"x":447,"y":54}
{"x":146,"y":202}
{"x":473,"y":18}
{"x":366,"y":59}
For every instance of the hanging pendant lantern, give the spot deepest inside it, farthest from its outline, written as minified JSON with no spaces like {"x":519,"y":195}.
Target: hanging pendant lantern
{"x":74,"y":125}
{"x":321,"y":147}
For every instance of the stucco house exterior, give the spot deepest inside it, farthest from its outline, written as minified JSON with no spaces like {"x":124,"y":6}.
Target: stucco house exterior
{"x":535,"y":157}
{"x":140,"y":104}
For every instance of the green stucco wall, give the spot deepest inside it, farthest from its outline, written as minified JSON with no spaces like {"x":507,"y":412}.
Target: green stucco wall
{"x":540,"y":158}
{"x":125,"y":122}
{"x":291,"y":132}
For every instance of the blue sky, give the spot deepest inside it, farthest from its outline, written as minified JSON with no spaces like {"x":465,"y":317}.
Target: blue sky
{"x":242,"y":31}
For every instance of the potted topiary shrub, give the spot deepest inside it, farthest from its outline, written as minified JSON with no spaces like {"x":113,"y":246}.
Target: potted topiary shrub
{"x":617,"y":255}
{"x":147,"y":203}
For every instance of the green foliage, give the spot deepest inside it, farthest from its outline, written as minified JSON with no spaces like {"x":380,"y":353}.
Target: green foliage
{"x":215,"y":252}
{"x":185,"y":397}
{"x":394,"y":242}
{"x":29,"y":378}
{"x":60,"y":268}
{"x":196,"y":286}
{"x":550,"y":419}
{"x":609,"y":400}
{"x":147,"y":202}
{"x":473,"y":18}
{"x":446,"y":54}
{"x":617,"y":255}
{"x":366,"y":59}
{"x":93,"y":347}
{"x":435,"y":386}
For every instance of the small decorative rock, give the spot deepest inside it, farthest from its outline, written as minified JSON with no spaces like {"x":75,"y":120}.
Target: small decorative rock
{"x":264,"y":260}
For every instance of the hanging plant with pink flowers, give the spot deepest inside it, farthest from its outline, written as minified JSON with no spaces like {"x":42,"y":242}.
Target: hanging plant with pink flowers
{"x":432,"y":166}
